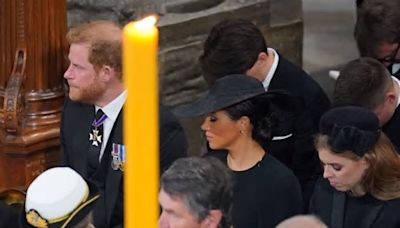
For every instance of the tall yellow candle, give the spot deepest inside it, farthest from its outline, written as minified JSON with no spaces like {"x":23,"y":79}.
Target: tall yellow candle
{"x":140,"y":42}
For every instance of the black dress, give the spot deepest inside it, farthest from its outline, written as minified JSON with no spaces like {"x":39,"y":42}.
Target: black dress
{"x":265,"y":194}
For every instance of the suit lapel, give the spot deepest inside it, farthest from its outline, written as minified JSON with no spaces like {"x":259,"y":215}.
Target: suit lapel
{"x":114,"y":177}
{"x":86,"y":120}
{"x":338,"y":204}
{"x":338,"y":210}
{"x":279,"y":80}
{"x":373,"y":211}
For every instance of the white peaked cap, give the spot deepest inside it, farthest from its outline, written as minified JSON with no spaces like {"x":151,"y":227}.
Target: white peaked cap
{"x":56,"y":193}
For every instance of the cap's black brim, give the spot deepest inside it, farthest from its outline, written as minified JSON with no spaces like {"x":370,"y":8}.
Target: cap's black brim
{"x":77,"y":215}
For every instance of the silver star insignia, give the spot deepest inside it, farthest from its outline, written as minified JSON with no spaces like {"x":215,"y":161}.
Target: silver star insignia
{"x":95,"y":137}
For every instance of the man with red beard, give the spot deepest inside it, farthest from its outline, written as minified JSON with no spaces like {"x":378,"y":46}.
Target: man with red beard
{"x":91,"y":125}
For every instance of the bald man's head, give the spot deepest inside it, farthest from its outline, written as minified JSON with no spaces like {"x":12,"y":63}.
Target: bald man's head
{"x":302,"y":221}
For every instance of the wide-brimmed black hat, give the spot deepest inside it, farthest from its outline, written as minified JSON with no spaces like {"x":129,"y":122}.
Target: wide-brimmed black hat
{"x":350,"y":128}
{"x":70,"y":199}
{"x":226,"y":91}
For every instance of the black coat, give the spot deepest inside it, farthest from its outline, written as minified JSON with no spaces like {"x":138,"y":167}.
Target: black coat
{"x":392,"y":129}
{"x":8,"y":215}
{"x":75,"y":127}
{"x":339,"y":210}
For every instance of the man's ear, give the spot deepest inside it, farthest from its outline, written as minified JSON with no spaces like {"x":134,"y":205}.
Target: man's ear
{"x":391,"y":97}
{"x":258,"y":68}
{"x":261,"y":60}
{"x":262,"y":56}
{"x":213,"y":219}
{"x":106,"y":73}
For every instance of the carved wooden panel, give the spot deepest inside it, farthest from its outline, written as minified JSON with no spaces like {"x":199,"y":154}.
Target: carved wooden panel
{"x":32,"y":49}
{"x":19,"y":169}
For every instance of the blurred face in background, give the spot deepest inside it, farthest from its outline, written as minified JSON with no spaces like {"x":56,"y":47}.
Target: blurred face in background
{"x":388,"y":53}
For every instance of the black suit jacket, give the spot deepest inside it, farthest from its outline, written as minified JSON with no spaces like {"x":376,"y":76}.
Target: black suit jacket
{"x":392,"y":129}
{"x":293,"y":141}
{"x":330,"y":206}
{"x":75,"y":128}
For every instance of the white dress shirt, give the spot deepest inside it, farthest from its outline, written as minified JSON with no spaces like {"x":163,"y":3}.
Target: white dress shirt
{"x":111,"y":110}
{"x":272,"y":70}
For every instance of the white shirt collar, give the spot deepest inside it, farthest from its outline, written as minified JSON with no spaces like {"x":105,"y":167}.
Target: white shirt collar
{"x":395,"y":68}
{"x":272,"y":70}
{"x":113,"y":108}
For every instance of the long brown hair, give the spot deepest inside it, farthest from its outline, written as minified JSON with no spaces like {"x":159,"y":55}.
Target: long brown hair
{"x":382,"y":178}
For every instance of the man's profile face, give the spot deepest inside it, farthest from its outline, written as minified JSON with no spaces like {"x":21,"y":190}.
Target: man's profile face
{"x":388,"y":53}
{"x":175,"y":214}
{"x":81,"y":75}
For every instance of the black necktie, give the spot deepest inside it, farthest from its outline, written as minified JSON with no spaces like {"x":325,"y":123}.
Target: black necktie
{"x":96,"y":138}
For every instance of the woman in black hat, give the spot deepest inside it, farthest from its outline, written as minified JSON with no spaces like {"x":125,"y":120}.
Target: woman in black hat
{"x":361,"y":185}
{"x":238,"y":118}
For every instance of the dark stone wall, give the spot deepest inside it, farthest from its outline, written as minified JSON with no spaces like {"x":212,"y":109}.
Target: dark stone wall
{"x":121,"y":11}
